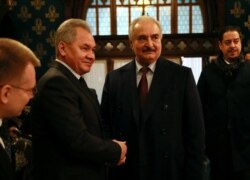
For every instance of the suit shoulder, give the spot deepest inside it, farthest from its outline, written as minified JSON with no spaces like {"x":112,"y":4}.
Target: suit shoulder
{"x":123,"y":68}
{"x":172,"y":65}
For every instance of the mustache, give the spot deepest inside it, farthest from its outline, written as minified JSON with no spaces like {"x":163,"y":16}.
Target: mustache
{"x":148,"y":49}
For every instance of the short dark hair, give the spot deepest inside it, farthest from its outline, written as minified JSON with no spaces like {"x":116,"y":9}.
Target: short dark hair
{"x":227,"y":29}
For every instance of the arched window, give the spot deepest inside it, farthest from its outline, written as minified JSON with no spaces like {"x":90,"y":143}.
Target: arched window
{"x":112,"y":17}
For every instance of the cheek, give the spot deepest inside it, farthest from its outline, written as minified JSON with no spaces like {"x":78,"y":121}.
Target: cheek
{"x":159,"y":47}
{"x":138,"y":48}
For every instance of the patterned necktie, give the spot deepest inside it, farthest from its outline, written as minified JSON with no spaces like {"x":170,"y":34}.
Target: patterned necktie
{"x":143,"y":86}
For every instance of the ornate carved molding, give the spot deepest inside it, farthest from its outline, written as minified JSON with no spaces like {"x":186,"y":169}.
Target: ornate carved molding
{"x":172,"y":45}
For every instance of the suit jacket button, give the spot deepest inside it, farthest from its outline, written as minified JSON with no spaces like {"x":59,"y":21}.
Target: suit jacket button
{"x":165,"y":155}
{"x":165,"y":107}
{"x":163,"y":131}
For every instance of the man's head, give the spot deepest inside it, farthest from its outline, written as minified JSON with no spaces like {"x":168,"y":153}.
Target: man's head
{"x":75,"y":45}
{"x":230,"y":43}
{"x":17,"y":76}
{"x":145,"y":35}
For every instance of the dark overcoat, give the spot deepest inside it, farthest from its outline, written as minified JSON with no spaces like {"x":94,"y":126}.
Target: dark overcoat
{"x":166,"y":140}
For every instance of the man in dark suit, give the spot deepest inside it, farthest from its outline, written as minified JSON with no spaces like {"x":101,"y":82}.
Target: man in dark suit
{"x":67,"y":132}
{"x":224,"y":87}
{"x":17,"y":83}
{"x":165,"y":133}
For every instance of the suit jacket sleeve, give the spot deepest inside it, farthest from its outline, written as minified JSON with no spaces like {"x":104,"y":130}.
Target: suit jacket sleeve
{"x":73,"y":121}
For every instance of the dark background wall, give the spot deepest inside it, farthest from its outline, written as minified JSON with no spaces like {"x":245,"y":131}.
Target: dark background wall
{"x":237,"y":13}
{"x":34,"y":22}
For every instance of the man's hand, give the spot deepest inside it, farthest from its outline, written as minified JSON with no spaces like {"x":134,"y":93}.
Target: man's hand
{"x":123,"y":146}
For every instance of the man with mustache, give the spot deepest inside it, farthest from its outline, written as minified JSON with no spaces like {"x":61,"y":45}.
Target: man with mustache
{"x":163,"y":127}
{"x":224,"y":87}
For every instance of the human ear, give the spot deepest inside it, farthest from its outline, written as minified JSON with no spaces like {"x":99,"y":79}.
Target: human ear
{"x":5,"y":93}
{"x":61,"y":48}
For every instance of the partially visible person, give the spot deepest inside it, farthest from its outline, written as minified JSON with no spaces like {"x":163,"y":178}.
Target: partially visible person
{"x":224,"y":87}
{"x":67,"y":134}
{"x":164,"y":133}
{"x":17,"y":84}
{"x":247,"y":55}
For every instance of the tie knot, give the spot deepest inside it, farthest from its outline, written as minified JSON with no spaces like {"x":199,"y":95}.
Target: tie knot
{"x":144,"y":70}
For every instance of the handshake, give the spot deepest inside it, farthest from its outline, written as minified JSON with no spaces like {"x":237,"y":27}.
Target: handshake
{"x":123,"y":147}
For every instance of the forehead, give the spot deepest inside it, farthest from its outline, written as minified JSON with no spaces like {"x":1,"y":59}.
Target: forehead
{"x":84,"y":36}
{"x":28,"y":75}
{"x":229,"y":35}
{"x":146,"y":28}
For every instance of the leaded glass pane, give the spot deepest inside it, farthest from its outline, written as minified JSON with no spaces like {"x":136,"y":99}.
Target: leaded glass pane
{"x":162,"y":1}
{"x":103,"y":2}
{"x":197,"y":21}
{"x":122,"y":20}
{"x":100,"y":2}
{"x":119,"y":2}
{"x":183,"y":19}
{"x":143,"y":2}
{"x":150,"y":11}
{"x":91,"y":19}
{"x":107,"y":2}
{"x":160,"y":9}
{"x":132,"y":2}
{"x":135,"y":12}
{"x":165,"y":19}
{"x":104,"y":21}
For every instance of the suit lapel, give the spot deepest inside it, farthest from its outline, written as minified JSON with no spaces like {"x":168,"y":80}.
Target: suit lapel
{"x":82,"y":87}
{"x":160,"y":85}
{"x":129,"y":84}
{"x":5,"y":165}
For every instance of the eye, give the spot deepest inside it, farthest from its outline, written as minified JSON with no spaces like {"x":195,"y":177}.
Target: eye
{"x":142,"y":38}
{"x":155,"y":37}
{"x":236,"y":41}
{"x":83,"y":47}
{"x":228,"y":42}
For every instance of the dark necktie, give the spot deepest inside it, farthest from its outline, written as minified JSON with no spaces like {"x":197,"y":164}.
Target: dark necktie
{"x":83,"y":82}
{"x":85,"y":86}
{"x":143,"y":86}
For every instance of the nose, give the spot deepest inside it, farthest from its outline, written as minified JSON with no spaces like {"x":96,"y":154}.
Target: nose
{"x":91,"y":55}
{"x":149,"y":42}
{"x":232,"y":44}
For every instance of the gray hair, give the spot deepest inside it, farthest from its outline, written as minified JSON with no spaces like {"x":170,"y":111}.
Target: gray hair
{"x":67,"y":30}
{"x":142,"y":19}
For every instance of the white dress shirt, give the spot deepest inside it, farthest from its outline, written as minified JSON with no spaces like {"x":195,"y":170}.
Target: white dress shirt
{"x":1,"y":140}
{"x":149,"y":74}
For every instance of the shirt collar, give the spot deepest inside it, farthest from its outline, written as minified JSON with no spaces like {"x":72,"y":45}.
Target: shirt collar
{"x":69,"y":68}
{"x":151,"y":66}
